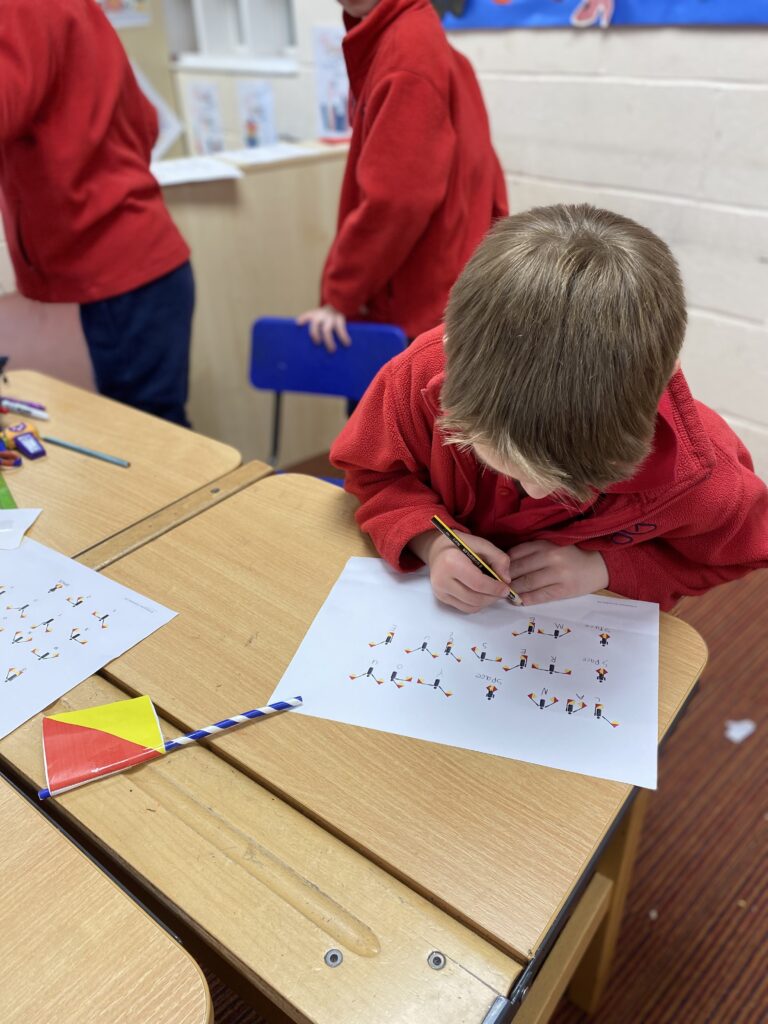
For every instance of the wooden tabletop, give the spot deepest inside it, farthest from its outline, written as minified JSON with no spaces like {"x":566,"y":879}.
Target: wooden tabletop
{"x":270,"y":891}
{"x":499,"y":844}
{"x":85,"y":500}
{"x":74,"y":945}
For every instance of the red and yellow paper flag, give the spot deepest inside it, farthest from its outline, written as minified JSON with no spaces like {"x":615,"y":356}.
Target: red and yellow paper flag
{"x":79,"y":746}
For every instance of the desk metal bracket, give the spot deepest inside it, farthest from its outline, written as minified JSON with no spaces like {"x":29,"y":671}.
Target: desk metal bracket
{"x":500,"y":1012}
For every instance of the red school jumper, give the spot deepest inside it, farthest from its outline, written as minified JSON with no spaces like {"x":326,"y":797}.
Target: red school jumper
{"x":84,"y":218}
{"x":693,"y":516}
{"x":422,"y":183}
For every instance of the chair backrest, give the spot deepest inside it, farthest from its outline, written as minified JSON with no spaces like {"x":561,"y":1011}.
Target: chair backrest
{"x":284,"y":357}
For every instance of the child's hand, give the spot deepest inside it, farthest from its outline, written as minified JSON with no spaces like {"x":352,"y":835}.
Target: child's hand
{"x":546,"y":572}
{"x":455,"y":580}
{"x":325,"y":325}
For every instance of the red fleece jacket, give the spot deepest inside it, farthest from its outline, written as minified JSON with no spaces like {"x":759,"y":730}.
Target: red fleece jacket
{"x":84,"y":218}
{"x":693,"y":516}
{"x":422,"y":183}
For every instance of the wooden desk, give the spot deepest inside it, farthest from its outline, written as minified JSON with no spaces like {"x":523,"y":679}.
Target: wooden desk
{"x":74,"y":945}
{"x":85,"y":500}
{"x":270,"y":892}
{"x":498,"y":844}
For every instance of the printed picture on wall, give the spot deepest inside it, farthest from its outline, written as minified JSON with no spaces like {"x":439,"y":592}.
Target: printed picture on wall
{"x":205,"y":124}
{"x":331,"y":83}
{"x":458,"y":14}
{"x":127,"y":13}
{"x":256,"y":105}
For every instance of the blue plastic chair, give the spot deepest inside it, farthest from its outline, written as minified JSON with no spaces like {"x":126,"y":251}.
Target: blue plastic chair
{"x":284,"y":358}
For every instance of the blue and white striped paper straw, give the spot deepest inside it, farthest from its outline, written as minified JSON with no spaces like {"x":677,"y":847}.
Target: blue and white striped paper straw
{"x":227,"y":723}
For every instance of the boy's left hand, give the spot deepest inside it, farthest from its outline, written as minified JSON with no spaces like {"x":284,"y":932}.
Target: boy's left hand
{"x":542,"y":571}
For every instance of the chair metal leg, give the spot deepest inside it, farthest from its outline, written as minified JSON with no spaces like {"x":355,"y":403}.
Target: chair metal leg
{"x":276,"y":428}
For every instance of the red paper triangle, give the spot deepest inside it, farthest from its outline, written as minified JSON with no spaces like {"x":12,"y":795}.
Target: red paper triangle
{"x":75,"y":754}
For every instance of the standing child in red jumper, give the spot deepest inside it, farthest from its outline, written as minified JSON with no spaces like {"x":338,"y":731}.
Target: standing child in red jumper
{"x":84,"y":218}
{"x":550,"y":425}
{"x":422,"y":183}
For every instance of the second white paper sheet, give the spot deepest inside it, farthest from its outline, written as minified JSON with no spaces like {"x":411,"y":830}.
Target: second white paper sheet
{"x":59,"y":623}
{"x":572,"y":684}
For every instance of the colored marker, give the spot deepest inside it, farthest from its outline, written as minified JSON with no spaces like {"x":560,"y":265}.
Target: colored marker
{"x":474,"y":558}
{"x":87,"y":451}
{"x":23,"y":401}
{"x":10,"y":405}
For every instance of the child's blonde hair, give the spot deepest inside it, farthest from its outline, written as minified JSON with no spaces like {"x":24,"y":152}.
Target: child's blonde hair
{"x":561,"y":334}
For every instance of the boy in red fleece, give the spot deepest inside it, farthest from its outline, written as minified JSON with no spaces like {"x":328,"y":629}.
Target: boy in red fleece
{"x":550,"y":425}
{"x":84,"y":218}
{"x":422,"y":183}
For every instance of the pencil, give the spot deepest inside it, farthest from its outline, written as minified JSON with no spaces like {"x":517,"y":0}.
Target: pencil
{"x":87,"y":451}
{"x":474,"y":558}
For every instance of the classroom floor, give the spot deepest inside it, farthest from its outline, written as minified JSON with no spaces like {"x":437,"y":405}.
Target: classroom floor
{"x":694,"y":945}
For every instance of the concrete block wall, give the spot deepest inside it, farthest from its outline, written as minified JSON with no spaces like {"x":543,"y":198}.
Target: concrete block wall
{"x":668,"y":126}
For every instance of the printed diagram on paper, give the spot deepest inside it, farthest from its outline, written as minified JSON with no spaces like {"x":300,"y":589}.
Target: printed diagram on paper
{"x":572,"y":684}
{"x":59,"y":623}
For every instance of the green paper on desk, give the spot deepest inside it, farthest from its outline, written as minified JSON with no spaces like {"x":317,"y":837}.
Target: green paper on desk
{"x":6,"y":498}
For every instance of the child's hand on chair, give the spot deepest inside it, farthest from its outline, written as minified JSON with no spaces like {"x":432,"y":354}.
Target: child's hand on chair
{"x":326,"y":324}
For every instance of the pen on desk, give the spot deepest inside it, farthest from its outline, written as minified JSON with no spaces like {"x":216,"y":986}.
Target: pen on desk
{"x":87,"y":451}
{"x":438,"y":523}
{"x":32,"y":411}
{"x":23,"y":401}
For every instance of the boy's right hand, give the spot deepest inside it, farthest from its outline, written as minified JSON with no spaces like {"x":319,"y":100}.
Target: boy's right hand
{"x":455,"y":580}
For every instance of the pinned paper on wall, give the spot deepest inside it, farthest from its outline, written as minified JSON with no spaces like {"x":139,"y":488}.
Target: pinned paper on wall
{"x":205,"y":116}
{"x":127,"y":13}
{"x":59,"y":623}
{"x":256,"y":106}
{"x":168,"y":125}
{"x":331,"y":83}
{"x":571,"y":684}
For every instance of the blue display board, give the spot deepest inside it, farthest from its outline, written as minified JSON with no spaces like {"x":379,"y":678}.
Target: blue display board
{"x":459,"y":14}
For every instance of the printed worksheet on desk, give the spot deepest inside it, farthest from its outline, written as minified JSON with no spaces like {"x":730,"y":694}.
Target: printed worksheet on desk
{"x":571,"y":684}
{"x":59,"y":623}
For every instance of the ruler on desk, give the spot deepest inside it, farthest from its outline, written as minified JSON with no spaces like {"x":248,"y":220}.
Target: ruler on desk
{"x":6,"y":498}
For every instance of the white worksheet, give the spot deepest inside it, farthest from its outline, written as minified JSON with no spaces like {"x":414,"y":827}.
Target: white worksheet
{"x":570,"y":684}
{"x":59,"y":623}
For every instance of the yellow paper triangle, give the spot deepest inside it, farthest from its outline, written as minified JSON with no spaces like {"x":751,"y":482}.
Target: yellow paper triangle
{"x":134,"y":720}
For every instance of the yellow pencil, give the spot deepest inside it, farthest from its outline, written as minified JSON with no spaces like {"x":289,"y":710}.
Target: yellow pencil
{"x":474,"y":558}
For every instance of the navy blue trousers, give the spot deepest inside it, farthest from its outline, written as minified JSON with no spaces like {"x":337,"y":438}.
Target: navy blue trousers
{"x":139,"y":344}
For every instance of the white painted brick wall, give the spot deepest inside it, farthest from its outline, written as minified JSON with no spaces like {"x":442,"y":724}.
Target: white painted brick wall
{"x":670,"y":127}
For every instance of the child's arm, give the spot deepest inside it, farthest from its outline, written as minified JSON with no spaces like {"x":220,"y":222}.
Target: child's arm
{"x":26,"y":65}
{"x":725,"y":536}
{"x":384,"y":450}
{"x":402,"y":178}
{"x":542,"y":571}
{"x":455,"y":580}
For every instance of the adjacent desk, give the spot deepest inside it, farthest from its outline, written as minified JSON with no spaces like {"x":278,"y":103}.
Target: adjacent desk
{"x":85,"y":500}
{"x":270,"y":892}
{"x":74,"y":946}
